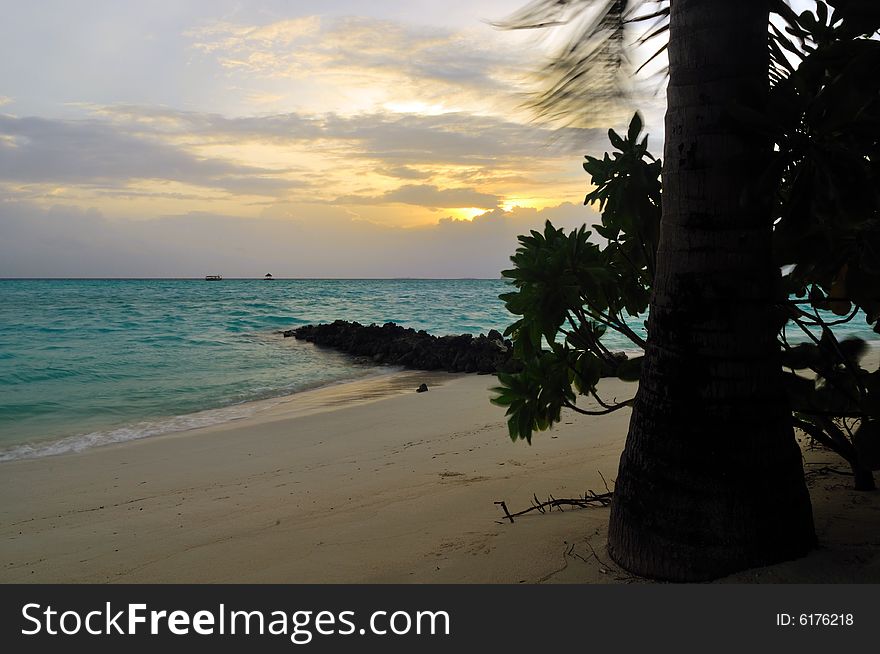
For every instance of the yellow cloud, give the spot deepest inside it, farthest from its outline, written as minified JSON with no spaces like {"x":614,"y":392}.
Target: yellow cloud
{"x":465,"y":213}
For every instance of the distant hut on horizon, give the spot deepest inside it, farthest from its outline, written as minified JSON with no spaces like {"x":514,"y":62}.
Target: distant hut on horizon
{"x":268,"y":276}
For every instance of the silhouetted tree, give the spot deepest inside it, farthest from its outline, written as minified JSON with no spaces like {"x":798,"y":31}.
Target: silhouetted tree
{"x":710,"y":480}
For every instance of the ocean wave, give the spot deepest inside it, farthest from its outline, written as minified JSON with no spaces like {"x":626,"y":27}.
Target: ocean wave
{"x":256,"y":400}
{"x":137,"y":431}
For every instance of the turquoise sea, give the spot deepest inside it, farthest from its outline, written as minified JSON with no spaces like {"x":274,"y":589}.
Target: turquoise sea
{"x":89,"y":362}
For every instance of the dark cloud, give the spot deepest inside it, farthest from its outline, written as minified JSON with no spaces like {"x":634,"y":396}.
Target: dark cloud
{"x":426,"y":195}
{"x":405,"y":172}
{"x":318,"y":241}
{"x":125,"y":144}
{"x":401,"y":139}
{"x":96,"y":152}
{"x":454,"y":138}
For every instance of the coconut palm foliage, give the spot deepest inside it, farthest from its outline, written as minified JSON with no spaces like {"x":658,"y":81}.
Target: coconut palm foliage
{"x":823,"y":117}
{"x":589,"y":75}
{"x":606,"y":43}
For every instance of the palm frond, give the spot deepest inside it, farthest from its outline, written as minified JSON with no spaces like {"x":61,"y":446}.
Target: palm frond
{"x":587,"y":79}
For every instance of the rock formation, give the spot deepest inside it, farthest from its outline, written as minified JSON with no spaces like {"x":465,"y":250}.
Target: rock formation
{"x":400,"y":346}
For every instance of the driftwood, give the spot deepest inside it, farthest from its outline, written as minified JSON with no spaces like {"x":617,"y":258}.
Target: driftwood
{"x":826,"y":469}
{"x":590,"y":499}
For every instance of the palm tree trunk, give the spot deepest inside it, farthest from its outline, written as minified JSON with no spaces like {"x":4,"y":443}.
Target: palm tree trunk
{"x":711,"y":479}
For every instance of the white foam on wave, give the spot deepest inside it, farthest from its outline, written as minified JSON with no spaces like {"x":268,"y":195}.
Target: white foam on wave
{"x":160,"y":426}
{"x":132,"y":432}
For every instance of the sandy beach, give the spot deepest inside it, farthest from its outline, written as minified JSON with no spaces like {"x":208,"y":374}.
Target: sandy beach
{"x":364,"y":482}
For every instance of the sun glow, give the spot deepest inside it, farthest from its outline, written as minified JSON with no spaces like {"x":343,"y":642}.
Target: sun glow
{"x":466,"y":213}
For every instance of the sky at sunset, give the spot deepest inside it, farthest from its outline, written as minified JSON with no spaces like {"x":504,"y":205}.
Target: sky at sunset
{"x":309,"y":139}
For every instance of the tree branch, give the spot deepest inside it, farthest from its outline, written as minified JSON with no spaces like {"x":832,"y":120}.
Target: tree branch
{"x":590,"y":499}
{"x":585,"y":412}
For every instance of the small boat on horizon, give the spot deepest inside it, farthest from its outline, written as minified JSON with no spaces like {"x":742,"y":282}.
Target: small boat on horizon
{"x":213,"y":278}
{"x":268,"y":276}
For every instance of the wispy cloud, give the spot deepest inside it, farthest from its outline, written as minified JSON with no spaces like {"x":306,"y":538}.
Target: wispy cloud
{"x":373,"y":62}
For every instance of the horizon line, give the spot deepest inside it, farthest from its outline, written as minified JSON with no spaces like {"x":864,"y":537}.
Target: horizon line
{"x":263,"y":278}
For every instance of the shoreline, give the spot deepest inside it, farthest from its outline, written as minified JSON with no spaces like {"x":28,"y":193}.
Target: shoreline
{"x":165,"y":425}
{"x":393,"y":489}
{"x":176,"y":424}
{"x":396,"y":488}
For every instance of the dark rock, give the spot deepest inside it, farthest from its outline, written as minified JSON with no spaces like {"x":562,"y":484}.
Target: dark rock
{"x":395,"y":345}
{"x":423,"y":388}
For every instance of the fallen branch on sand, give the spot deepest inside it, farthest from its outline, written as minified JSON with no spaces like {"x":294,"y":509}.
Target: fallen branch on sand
{"x":825,"y":470}
{"x":590,"y":499}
